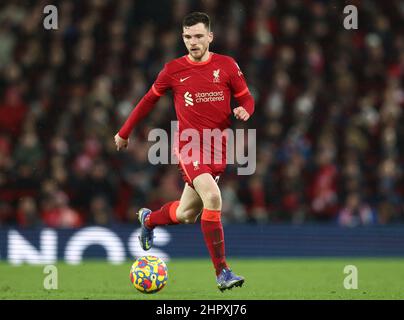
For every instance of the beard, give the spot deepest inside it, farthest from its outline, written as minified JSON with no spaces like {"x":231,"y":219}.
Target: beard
{"x":198,"y":54}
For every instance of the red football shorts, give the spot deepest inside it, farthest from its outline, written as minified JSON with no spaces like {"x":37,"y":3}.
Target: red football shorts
{"x":195,"y":166}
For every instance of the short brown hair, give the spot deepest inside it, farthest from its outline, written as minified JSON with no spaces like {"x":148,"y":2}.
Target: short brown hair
{"x":195,"y":18}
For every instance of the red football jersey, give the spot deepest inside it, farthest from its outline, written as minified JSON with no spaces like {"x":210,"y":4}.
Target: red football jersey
{"x":202,"y":91}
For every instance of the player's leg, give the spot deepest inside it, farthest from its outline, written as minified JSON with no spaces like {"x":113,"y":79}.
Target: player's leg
{"x":212,"y":230}
{"x":190,"y":206}
{"x":186,"y":210}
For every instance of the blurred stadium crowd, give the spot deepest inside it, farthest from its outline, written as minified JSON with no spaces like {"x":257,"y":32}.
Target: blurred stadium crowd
{"x":328,"y":114}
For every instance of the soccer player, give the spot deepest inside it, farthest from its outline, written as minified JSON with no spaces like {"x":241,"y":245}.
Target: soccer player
{"x":202,"y":83}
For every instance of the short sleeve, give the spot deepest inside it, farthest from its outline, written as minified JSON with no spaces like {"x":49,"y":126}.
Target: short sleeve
{"x":162,"y":83}
{"x":238,"y":84}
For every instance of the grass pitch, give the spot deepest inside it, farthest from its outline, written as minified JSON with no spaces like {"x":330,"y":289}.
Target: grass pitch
{"x":193,"y":279}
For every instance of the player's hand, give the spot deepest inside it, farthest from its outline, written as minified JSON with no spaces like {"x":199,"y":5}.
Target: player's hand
{"x":241,"y":114}
{"x":120,"y":142}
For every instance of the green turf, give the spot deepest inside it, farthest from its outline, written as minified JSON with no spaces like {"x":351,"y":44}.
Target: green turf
{"x":193,"y":279}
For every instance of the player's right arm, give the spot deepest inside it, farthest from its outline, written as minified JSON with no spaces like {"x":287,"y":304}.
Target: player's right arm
{"x":159,"y":87}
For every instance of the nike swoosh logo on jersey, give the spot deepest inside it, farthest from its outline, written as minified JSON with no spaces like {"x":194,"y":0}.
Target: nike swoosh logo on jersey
{"x":183,"y":79}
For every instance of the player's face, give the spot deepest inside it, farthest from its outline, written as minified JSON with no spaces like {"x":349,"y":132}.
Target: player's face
{"x":197,"y":39}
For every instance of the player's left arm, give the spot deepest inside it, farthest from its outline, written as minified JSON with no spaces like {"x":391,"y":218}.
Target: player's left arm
{"x":241,"y":93}
{"x":245,"y":108}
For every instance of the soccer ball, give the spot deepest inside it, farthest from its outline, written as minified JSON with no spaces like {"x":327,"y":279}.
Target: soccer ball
{"x":149,"y":274}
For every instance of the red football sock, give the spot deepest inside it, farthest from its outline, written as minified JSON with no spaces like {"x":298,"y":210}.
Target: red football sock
{"x":212,"y":230}
{"x":164,"y":216}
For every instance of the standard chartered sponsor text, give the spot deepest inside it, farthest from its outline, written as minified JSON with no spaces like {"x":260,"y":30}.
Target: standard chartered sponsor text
{"x":211,"y":96}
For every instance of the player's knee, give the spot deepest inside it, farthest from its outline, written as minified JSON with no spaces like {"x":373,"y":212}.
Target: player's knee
{"x":212,"y":200}
{"x":187,"y":216}
{"x":189,"y":221}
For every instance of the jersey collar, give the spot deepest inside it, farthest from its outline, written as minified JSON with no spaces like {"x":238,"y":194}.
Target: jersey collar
{"x":199,"y":63}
